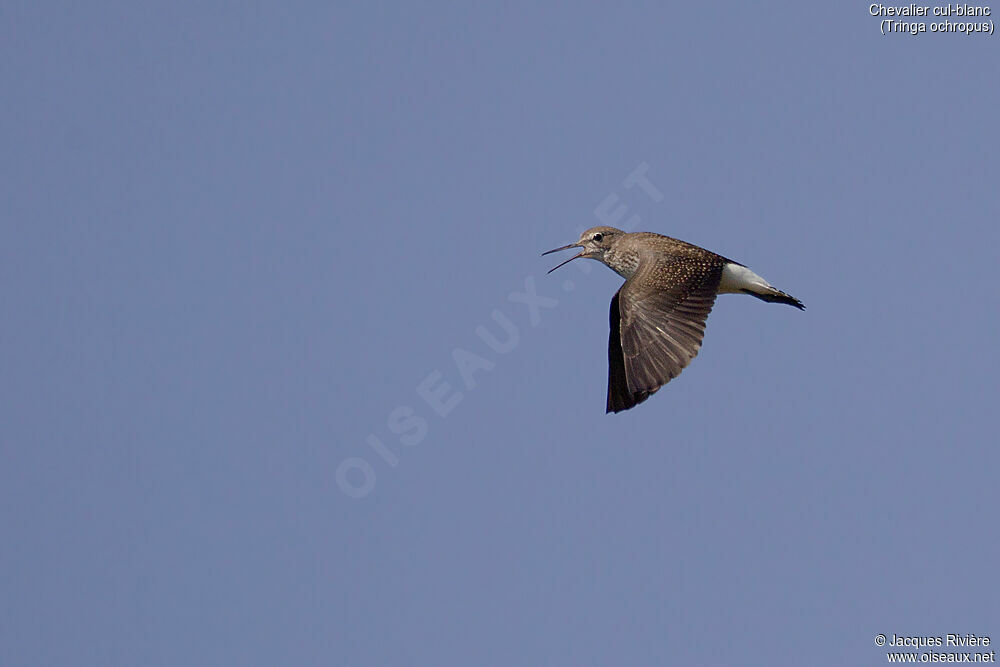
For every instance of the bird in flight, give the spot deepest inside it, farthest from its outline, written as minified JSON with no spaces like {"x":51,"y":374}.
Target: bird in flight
{"x":658,"y":315}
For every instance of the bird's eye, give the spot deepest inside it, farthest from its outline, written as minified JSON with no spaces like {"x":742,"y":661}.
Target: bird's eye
{"x":598,"y":236}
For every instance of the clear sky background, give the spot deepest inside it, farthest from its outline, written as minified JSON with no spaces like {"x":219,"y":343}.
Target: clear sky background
{"x":238,"y":237}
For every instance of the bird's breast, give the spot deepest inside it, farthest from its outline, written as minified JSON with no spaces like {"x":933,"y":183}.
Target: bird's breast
{"x":624,"y":264}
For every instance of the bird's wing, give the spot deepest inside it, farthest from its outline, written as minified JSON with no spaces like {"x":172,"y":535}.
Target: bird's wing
{"x":619,"y":396}
{"x":657,"y":324}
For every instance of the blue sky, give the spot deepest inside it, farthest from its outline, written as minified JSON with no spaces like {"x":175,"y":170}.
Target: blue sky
{"x":239,"y":239}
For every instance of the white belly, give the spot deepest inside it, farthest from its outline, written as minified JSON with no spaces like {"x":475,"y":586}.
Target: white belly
{"x":736,"y":278}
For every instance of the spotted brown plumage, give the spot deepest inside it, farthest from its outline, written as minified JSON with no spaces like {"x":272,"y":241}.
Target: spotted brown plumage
{"x":662,"y":311}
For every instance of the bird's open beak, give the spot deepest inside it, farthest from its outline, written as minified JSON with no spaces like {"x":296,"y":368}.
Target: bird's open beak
{"x":565,"y":247}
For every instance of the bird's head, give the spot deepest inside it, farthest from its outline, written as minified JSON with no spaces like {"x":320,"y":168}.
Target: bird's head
{"x":593,"y":243}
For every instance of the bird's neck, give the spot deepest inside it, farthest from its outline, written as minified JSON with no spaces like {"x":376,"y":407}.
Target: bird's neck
{"x":623,"y":261}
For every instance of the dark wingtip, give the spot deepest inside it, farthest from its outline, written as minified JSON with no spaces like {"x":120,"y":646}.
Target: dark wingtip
{"x":626,"y":400}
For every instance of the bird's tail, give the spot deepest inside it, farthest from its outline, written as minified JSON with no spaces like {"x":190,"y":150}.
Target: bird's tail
{"x":775,"y":295}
